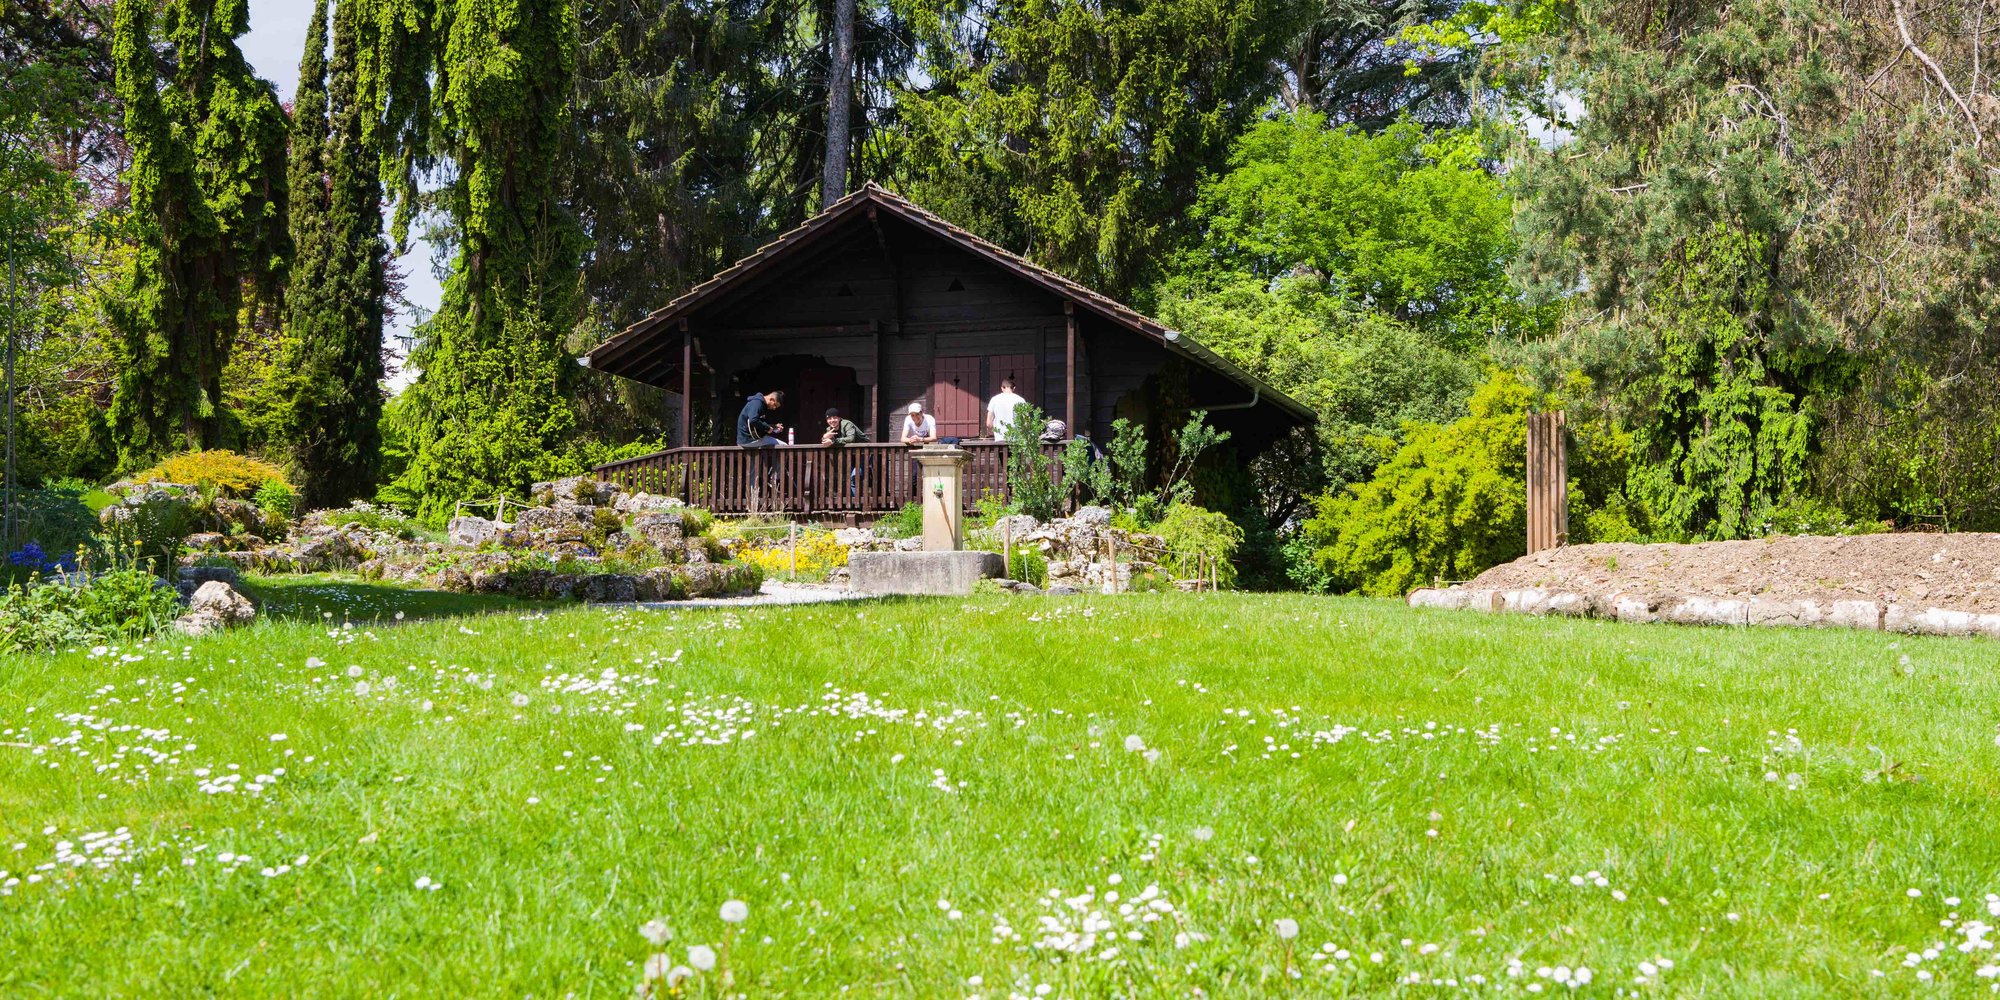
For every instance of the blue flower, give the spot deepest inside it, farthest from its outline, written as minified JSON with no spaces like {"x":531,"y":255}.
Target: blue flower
{"x":29,"y":555}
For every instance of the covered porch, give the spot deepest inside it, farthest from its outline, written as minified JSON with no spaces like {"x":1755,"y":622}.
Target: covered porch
{"x":862,"y":479}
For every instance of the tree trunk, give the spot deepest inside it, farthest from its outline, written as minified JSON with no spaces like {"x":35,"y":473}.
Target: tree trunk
{"x":839,"y":100}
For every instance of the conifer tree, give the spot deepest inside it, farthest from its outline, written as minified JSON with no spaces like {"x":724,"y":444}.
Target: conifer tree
{"x":491,"y":412}
{"x":333,"y":351}
{"x":208,"y":194}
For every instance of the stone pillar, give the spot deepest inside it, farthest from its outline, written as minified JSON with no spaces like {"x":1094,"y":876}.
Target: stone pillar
{"x":942,"y":492}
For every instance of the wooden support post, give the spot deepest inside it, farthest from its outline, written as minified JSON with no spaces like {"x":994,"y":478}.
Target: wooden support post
{"x":1069,"y":368}
{"x":1548,"y":481}
{"x":1007,"y":549}
{"x":792,"y":543}
{"x":687,"y":384}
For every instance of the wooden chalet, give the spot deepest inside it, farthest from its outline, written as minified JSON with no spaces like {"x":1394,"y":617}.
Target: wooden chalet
{"x":875,"y":303}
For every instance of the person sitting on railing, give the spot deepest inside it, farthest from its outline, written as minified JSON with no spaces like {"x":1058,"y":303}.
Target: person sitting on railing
{"x":919,"y":429}
{"x":840,"y":431}
{"x":753,"y":428}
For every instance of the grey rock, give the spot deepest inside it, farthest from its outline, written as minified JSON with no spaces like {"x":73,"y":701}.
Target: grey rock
{"x":1060,"y":590}
{"x":472,"y":532}
{"x":644,"y":503}
{"x":215,"y":606}
{"x":659,"y":529}
{"x":1093,"y":515}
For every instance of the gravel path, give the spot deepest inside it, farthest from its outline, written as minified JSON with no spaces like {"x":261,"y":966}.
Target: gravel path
{"x":774,"y":593}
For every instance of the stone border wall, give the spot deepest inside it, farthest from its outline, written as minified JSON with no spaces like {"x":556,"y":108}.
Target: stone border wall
{"x":1694,"y":609}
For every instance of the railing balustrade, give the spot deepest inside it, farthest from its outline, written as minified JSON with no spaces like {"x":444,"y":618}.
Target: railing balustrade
{"x":868,"y":478}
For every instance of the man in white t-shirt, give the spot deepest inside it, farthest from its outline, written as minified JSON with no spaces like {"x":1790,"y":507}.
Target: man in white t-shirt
{"x":1000,"y":409}
{"x":919,"y":428}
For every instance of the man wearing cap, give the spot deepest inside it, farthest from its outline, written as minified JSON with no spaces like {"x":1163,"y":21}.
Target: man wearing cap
{"x":919,"y":429}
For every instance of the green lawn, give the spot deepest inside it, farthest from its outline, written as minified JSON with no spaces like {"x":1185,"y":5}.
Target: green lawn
{"x":1445,"y":803}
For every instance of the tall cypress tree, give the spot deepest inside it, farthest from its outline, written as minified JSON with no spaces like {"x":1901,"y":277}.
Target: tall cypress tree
{"x":208,"y":196}
{"x":490,"y":412}
{"x":334,"y":320}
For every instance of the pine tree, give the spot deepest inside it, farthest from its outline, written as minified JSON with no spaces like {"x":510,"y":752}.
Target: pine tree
{"x":333,"y":356}
{"x":490,"y":412}
{"x":208,"y":195}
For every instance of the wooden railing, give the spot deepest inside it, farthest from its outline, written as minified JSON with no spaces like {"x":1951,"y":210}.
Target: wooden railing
{"x":801,"y":479}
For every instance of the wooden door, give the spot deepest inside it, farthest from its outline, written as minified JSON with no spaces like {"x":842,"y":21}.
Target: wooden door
{"x":1022,"y":367}
{"x":954,"y":397}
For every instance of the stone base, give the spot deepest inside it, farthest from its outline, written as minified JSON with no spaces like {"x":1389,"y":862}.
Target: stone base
{"x":943,"y":573}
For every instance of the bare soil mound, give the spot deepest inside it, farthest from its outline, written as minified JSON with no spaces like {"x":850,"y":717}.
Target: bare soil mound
{"x":1957,"y":571}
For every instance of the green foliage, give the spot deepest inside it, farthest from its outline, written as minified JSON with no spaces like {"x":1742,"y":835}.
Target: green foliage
{"x":1409,"y":223}
{"x":908,"y":522}
{"x":235,"y":475}
{"x":1029,"y":482}
{"x":332,"y":363}
{"x":275,"y":498}
{"x":207,"y":181}
{"x":1449,"y":503}
{"x":1804,"y":515}
{"x":149,"y":535}
{"x":1128,"y":459}
{"x":491,"y":411}
{"x":387,"y":520}
{"x":1364,"y":374}
{"x":1727,"y":435}
{"x":1074,"y":129}
{"x":54,"y":517}
{"x":114,"y":607}
{"x":1084,"y":478}
{"x":1200,"y":542}
{"x":1027,"y":564}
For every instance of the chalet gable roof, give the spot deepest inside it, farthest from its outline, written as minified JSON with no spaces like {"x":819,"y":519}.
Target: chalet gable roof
{"x":865,"y":202}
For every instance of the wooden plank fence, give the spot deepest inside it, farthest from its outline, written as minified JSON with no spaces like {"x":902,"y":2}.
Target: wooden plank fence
{"x":870,"y":478}
{"x":1548,"y":481}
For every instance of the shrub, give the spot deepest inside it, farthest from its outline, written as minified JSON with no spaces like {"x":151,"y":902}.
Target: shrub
{"x":1450,"y":502}
{"x":276,"y":498}
{"x":235,"y":475}
{"x":150,"y":534}
{"x":1199,"y":540}
{"x":117,"y":606}
{"x":1033,"y":490}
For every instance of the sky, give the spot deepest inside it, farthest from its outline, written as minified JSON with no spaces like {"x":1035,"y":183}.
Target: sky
{"x":276,"y":40}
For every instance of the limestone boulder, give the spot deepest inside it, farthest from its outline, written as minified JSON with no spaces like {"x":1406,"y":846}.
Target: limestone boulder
{"x":214,"y":607}
{"x":660,"y":529}
{"x":644,"y":503}
{"x":473,"y":532}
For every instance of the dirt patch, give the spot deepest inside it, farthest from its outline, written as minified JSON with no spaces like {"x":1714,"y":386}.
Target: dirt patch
{"x":1956,"y":571}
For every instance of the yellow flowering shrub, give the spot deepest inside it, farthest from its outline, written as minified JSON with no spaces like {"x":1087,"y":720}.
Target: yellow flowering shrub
{"x":236,"y":475}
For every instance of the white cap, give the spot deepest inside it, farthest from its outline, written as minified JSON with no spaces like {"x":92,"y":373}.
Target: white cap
{"x":916,"y":407}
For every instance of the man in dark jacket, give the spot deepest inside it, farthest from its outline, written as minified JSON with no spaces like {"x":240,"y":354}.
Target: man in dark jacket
{"x":754,"y":428}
